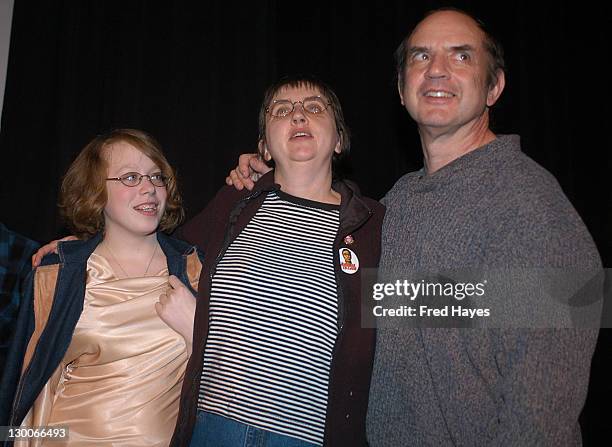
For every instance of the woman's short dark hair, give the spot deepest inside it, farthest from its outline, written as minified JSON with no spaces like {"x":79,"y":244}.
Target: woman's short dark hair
{"x":297,"y":81}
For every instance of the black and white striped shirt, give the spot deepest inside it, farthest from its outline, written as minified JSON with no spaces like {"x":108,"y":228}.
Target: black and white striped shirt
{"x":273,"y":320}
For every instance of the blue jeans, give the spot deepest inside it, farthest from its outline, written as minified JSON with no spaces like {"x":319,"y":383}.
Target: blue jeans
{"x":212,"y":430}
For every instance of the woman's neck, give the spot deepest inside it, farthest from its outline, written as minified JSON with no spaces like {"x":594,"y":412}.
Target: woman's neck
{"x":128,"y":245}
{"x":307,"y":183}
{"x":132,"y":256}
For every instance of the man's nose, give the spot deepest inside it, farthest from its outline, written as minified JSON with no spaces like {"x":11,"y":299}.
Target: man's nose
{"x":437,"y":68}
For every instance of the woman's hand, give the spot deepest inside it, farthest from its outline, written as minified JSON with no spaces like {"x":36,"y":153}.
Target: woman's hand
{"x":176,"y":308}
{"x":250,"y":168}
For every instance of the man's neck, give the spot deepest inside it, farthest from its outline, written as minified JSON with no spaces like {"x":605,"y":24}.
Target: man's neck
{"x":441,"y":148}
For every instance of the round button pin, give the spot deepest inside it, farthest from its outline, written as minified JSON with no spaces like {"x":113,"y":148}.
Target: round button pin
{"x":349,"y":262}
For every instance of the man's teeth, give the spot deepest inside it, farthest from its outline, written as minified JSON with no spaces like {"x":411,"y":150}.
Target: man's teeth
{"x":300,"y":134}
{"x":439,"y":94}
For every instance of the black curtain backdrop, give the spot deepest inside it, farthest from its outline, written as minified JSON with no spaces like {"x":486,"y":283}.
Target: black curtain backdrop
{"x":193,"y":74}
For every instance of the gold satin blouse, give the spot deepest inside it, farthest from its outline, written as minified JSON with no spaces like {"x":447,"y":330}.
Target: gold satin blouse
{"x":119,"y":383}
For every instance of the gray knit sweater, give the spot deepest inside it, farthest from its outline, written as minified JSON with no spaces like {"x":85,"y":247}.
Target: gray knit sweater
{"x":493,"y":207}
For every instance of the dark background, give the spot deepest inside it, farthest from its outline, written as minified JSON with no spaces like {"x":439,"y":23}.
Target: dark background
{"x":193,"y":74}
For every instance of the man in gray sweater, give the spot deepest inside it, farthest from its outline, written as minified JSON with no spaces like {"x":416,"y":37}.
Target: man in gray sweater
{"x":479,"y":202}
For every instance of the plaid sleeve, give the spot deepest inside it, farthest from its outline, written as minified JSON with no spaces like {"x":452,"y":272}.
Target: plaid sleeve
{"x":15,"y":254}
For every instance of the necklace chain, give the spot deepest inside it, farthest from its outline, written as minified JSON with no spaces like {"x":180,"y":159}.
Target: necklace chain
{"x":121,"y":267}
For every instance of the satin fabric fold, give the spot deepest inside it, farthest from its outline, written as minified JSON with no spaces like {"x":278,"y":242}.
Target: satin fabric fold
{"x":119,"y":382}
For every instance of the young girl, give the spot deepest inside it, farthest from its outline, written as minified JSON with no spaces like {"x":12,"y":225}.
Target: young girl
{"x":90,"y":352}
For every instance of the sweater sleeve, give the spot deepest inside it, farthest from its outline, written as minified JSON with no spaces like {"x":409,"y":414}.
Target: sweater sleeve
{"x":545,"y":384}
{"x":545,"y":371}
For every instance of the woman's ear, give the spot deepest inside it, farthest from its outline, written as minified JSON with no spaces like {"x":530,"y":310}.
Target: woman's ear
{"x":338,"y":148}
{"x":263,"y":150}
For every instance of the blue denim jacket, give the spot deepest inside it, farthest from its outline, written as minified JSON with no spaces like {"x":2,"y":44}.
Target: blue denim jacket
{"x":19,"y":391}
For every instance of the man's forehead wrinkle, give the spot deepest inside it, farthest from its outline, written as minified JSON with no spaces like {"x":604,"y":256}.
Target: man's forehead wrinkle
{"x":421,"y":48}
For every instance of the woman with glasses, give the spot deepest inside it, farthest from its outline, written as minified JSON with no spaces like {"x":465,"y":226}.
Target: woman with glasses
{"x":90,"y":353}
{"x":279,"y":353}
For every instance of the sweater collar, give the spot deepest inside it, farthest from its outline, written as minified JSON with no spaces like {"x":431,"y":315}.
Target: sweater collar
{"x":476,"y":159}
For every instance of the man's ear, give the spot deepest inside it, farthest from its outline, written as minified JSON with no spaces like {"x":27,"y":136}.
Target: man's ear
{"x":399,"y":91}
{"x":262,"y":147}
{"x":496,"y":90}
